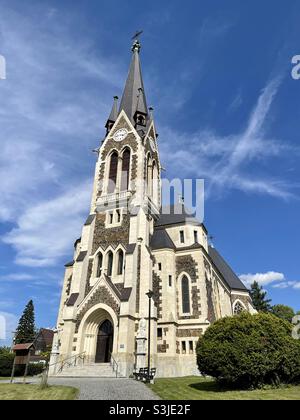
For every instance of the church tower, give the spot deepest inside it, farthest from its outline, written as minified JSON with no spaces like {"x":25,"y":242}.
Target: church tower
{"x":131,"y":246}
{"x":104,"y":294}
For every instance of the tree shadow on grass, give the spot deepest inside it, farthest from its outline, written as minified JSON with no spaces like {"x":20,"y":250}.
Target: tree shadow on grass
{"x":209,"y":386}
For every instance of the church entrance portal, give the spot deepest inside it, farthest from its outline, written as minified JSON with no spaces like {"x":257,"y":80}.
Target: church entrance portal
{"x":104,"y":342}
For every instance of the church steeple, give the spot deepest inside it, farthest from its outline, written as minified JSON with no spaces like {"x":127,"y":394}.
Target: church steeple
{"x":113,"y":115}
{"x":133,"y":100}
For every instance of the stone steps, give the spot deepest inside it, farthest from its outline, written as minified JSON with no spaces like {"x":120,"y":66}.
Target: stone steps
{"x":92,"y":370}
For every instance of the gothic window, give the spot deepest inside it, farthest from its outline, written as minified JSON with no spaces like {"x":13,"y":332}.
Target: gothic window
{"x":238,"y":308}
{"x":120,"y":261}
{"x":125,"y":170}
{"x":110,"y":260}
{"x":99,"y":264}
{"x":113,"y":170}
{"x":185,"y":293}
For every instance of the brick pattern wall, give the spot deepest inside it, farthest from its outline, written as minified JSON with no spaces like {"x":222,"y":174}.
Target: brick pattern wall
{"x":189,"y":332}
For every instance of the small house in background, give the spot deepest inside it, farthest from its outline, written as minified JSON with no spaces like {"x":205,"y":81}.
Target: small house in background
{"x":42,"y":343}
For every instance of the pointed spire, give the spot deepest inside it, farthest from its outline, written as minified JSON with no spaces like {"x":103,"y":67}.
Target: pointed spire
{"x":133,"y":101}
{"x":113,"y":115}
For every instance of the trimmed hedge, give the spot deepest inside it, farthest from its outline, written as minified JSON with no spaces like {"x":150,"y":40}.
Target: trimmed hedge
{"x":249,"y":351}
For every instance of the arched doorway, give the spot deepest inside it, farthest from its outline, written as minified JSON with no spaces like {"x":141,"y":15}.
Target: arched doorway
{"x":104,"y":342}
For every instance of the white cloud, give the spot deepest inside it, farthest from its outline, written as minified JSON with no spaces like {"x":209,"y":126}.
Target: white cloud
{"x":45,"y":232}
{"x":223,"y":160}
{"x":273,"y":278}
{"x":262,"y":278}
{"x":287,"y":284}
{"x":17,"y":277}
{"x":11,"y":322}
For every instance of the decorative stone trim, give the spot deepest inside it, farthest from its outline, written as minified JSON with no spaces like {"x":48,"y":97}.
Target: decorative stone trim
{"x":211,"y":316}
{"x":102,"y":295}
{"x":193,"y":332}
{"x":187,"y":264}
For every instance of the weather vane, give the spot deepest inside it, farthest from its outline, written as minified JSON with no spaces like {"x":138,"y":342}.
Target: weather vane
{"x":136,"y":35}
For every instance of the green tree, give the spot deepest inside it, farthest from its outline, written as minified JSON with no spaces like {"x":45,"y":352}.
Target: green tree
{"x":248,"y":351}
{"x":26,"y":329}
{"x":258,"y":296}
{"x":283,"y":312}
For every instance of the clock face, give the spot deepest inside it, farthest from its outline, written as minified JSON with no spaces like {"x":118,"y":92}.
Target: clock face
{"x":120,"y":134}
{"x":152,"y":144}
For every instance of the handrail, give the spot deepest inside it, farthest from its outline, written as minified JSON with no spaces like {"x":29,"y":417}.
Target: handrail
{"x":66,"y":361}
{"x":114,"y":364}
{"x":69,"y":363}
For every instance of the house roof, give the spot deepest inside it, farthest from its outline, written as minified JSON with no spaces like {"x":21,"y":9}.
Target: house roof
{"x":24,"y":346}
{"x":226,"y":271}
{"x":47,"y":335}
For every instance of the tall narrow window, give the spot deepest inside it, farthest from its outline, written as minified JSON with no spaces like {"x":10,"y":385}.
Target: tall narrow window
{"x":110,"y":260}
{"x":185,"y":292}
{"x":120,"y":262}
{"x":99,"y":264}
{"x":182,"y":236}
{"x":170,"y":281}
{"x":183,"y":347}
{"x":195,"y":236}
{"x":113,"y":170}
{"x":125,"y":170}
{"x":118,"y":213}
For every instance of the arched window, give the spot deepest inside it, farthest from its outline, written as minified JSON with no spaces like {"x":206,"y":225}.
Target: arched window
{"x":99,"y":264}
{"x":238,"y":308}
{"x":110,"y":261}
{"x":113,"y":171}
{"x":120,"y":261}
{"x":125,"y":170}
{"x":185,"y":293}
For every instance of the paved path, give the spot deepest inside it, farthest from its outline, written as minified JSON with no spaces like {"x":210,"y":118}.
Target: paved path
{"x":106,"y":388}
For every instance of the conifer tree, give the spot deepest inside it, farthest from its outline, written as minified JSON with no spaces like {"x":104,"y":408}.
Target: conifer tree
{"x":26,"y":329}
{"x":258,"y":296}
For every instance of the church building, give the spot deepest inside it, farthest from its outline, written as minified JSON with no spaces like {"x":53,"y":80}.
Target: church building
{"x":134,"y":255}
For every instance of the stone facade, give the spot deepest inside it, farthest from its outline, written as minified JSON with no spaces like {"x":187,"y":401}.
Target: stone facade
{"x":112,"y":291}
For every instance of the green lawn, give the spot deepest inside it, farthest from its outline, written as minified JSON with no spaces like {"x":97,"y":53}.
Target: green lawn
{"x":196,"y":388}
{"x":33,"y":392}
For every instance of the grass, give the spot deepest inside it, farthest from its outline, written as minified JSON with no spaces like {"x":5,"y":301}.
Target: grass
{"x":196,"y":388}
{"x":34,"y":392}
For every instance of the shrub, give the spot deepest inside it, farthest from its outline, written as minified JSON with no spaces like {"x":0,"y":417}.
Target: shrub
{"x":6,"y":365}
{"x":250,"y":351}
{"x":6,"y":361}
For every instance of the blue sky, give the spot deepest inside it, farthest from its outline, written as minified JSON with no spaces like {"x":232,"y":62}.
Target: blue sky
{"x":226,"y":108}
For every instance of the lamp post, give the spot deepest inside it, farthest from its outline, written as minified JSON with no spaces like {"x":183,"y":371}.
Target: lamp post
{"x":150,"y":295}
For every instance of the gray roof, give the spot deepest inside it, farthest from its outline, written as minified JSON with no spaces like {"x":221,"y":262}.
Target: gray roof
{"x":227,"y":273}
{"x":160,"y":239}
{"x":81,"y":256}
{"x":90,"y":219}
{"x":134,"y":98}
{"x":174,"y":215}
